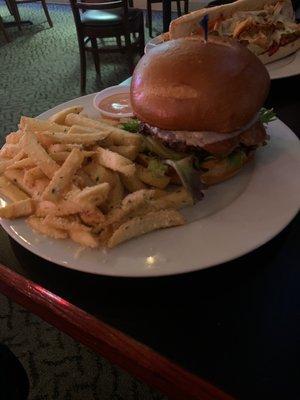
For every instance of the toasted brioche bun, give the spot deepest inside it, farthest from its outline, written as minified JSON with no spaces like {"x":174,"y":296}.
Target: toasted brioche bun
{"x":223,"y":171}
{"x":187,"y":84}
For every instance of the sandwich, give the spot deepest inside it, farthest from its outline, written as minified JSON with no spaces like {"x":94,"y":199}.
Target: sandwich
{"x":198,"y":106}
{"x":266,"y":27}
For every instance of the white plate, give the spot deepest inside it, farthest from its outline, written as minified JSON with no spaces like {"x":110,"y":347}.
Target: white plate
{"x":234,"y":218}
{"x":284,"y":68}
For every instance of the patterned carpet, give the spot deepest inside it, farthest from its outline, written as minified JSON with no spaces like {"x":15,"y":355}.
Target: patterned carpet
{"x":39,"y":69}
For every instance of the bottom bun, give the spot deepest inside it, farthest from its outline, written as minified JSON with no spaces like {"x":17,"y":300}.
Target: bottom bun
{"x":282,"y":52}
{"x":225,"y":169}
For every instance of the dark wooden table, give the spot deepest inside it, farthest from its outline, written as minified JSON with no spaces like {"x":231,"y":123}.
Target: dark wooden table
{"x":236,"y":326}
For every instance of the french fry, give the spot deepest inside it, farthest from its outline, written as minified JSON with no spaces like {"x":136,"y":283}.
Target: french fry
{"x":25,"y":163}
{"x":76,"y":138}
{"x":35,"y":124}
{"x":119,"y":136}
{"x":65,"y":223}
{"x":115,"y":161}
{"x":17,"y":177}
{"x":44,"y":208}
{"x":116,"y":194}
{"x":98,"y":173}
{"x":21,"y":208}
{"x":11,"y":191}
{"x":14,"y":137}
{"x":39,"y":187}
{"x":9,"y":150}
{"x":58,"y":148}
{"x":140,"y":225}
{"x":93,"y":196}
{"x":92,"y":216}
{"x":149,"y":178}
{"x":43,"y":140}
{"x":132,"y":183}
{"x":39,"y":155}
{"x":63,"y":176}
{"x":129,"y":151}
{"x":130,"y":203}
{"x":31,"y":175}
{"x":109,"y":121}
{"x":84,"y":238}
{"x":81,"y":129}
{"x":19,"y":155}
{"x":74,"y":190}
{"x":82,"y":179}
{"x":4,"y":164}
{"x":59,"y":157}
{"x":61,"y":147}
{"x":60,"y":209}
{"x":60,"y":116}
{"x":178,"y":198}
{"x":38,"y":225}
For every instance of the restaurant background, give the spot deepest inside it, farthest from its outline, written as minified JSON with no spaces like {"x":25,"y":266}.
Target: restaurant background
{"x":38,"y":71}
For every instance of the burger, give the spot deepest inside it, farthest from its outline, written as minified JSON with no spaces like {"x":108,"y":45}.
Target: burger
{"x":198,"y":105}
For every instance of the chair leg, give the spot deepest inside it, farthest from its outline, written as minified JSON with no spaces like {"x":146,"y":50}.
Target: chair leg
{"x":149,"y":17}
{"x":186,"y":6}
{"x":95,"y":55}
{"x":47,"y":13}
{"x":119,"y":42}
{"x":178,"y":8}
{"x":3,"y":30}
{"x":8,"y":5}
{"x":82,"y":66}
{"x":15,"y":12}
{"x":129,"y":52}
{"x":142,"y":39}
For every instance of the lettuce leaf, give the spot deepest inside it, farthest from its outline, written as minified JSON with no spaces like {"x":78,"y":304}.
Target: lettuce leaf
{"x":237,"y":159}
{"x":132,"y":125}
{"x":157,"y":168}
{"x":157,"y":148}
{"x":189,"y":176}
{"x":266,"y":116}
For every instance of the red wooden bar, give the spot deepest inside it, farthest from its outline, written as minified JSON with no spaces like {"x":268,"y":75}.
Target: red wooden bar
{"x":120,"y":349}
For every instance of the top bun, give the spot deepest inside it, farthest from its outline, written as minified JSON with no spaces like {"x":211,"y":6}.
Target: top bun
{"x":187,"y":84}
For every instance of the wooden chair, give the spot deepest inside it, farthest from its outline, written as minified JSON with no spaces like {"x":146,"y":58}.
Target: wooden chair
{"x":13,"y":7}
{"x":3,"y":30}
{"x":149,"y":11}
{"x":112,"y":19}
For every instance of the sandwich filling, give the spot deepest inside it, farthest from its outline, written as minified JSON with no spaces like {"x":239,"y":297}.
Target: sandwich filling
{"x":200,"y":157}
{"x":218,"y":144}
{"x":262,"y":31}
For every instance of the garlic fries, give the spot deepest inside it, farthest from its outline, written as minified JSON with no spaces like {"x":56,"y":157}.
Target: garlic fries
{"x":79,"y":178}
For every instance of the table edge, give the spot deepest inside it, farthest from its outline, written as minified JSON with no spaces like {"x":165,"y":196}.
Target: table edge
{"x":120,"y":349}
